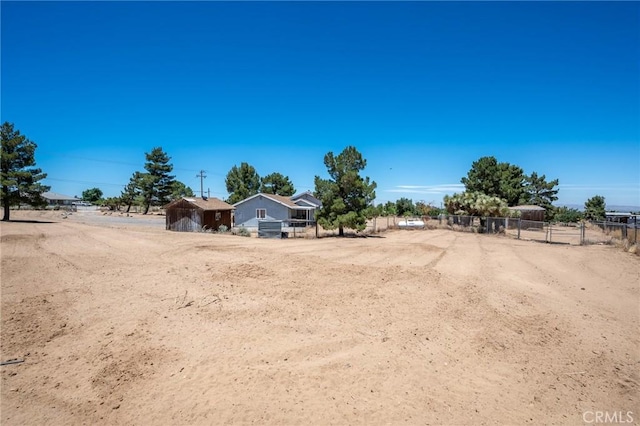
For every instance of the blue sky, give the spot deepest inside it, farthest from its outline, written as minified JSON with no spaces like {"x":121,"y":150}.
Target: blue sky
{"x":422,"y":89}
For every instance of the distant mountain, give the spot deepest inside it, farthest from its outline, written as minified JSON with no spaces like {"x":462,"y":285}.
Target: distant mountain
{"x":612,"y":208}
{"x":623,"y":209}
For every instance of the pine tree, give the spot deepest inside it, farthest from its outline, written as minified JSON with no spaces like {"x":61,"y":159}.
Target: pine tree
{"x":19,"y":179}
{"x":156,"y":184}
{"x":539,"y":192}
{"x":242,"y":182}
{"x":277,"y":183}
{"x":594,"y":208}
{"x":131,"y":191}
{"x":346,"y":196}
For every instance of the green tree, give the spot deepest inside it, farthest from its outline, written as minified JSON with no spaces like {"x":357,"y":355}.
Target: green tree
{"x":476,"y":204}
{"x":346,"y":195}
{"x":156,"y":184}
{"x":389,"y":209}
{"x":180,"y":190}
{"x":539,"y":192}
{"x":373,"y":211}
{"x":502,"y":180}
{"x":594,"y":208}
{"x":112,"y":202}
{"x":131,"y":190}
{"x":424,"y":209}
{"x":276,"y":183}
{"x":92,"y":195}
{"x":405,"y":207}
{"x":242,"y":182}
{"x":19,"y":178}
{"x":567,"y":215}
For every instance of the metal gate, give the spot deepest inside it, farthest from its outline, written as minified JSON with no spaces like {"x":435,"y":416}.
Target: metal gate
{"x":270,"y":229}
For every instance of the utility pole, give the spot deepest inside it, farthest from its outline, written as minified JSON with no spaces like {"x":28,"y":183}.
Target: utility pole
{"x":208,"y":192}
{"x":201,"y":176}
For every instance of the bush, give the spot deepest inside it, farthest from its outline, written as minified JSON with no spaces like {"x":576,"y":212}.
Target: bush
{"x":567,"y":215}
{"x":222,"y":229}
{"x":244,"y":232}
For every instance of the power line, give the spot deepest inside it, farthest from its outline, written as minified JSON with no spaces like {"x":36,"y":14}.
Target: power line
{"x":102,"y":160}
{"x":84,"y":181}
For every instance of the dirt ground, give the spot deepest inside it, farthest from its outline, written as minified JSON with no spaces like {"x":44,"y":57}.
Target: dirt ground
{"x":121,"y":322}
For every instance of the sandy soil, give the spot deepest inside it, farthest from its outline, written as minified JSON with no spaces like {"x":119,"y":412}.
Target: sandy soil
{"x":121,"y":322}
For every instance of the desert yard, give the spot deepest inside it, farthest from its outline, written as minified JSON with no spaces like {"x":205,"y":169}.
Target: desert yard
{"x":121,"y":322}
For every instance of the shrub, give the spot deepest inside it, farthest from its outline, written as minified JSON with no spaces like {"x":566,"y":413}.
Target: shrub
{"x":223,"y":228}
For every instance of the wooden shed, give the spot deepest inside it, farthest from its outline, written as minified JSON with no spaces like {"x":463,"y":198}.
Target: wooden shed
{"x":197,"y":214}
{"x":534,"y":213}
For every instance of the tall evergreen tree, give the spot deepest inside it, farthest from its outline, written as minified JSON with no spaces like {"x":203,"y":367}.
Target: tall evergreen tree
{"x":346,"y":196}
{"x":539,"y":192}
{"x":277,"y":183}
{"x":502,"y":180}
{"x":242,"y":182}
{"x":19,"y":178}
{"x":156,"y":184}
{"x":131,"y":191}
{"x":595,"y":208}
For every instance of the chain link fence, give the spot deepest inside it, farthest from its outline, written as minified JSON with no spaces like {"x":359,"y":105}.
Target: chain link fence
{"x":548,"y":232}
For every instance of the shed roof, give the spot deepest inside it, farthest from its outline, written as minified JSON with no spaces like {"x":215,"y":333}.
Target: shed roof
{"x":527,"y":208}
{"x":210,"y":203}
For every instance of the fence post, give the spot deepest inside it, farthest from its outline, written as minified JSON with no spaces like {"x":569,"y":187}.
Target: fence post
{"x":550,"y":232}
{"x":581,"y":233}
{"x":519,"y":226}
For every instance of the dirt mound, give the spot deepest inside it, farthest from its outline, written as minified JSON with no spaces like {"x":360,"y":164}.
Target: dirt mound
{"x":122,"y":323}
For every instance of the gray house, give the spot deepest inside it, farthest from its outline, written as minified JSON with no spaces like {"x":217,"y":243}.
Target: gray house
{"x":269,"y":207}
{"x":306,"y":198}
{"x":55,"y":199}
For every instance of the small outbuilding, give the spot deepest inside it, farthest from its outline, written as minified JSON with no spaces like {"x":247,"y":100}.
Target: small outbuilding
{"x":198,"y":214}
{"x":533,"y":213}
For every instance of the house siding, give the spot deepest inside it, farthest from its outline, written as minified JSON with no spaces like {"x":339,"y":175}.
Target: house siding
{"x":245,"y":214}
{"x":183,"y":216}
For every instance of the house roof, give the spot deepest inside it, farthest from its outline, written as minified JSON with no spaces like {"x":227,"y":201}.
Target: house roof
{"x":295,"y":197}
{"x":310,"y":198}
{"x":281,"y":199}
{"x":210,"y":203}
{"x":307,"y":202}
{"x":56,"y":196}
{"x":527,"y":208}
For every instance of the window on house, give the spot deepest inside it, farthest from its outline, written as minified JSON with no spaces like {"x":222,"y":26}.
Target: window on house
{"x":261,"y":213}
